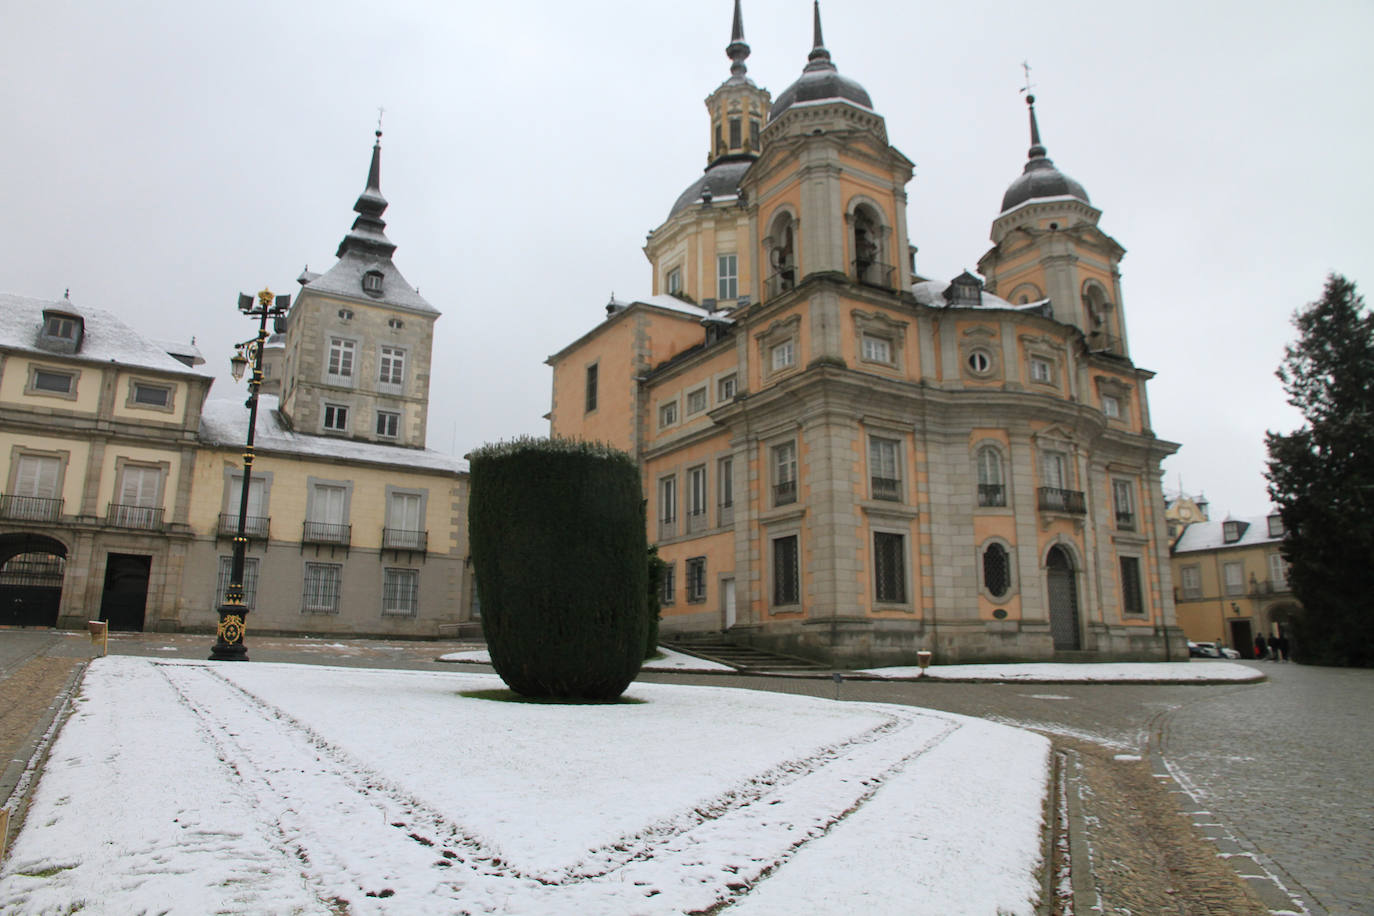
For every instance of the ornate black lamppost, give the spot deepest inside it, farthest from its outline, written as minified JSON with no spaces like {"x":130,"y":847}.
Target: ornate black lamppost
{"x":229,"y":636}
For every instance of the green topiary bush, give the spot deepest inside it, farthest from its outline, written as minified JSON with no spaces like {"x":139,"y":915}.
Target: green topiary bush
{"x":558,"y":547}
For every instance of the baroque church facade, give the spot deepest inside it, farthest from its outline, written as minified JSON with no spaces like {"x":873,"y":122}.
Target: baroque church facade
{"x":850,"y":462}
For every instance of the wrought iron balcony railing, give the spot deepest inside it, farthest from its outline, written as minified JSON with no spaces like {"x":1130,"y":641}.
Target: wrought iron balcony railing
{"x":404,"y":539}
{"x":326,"y":533}
{"x":1125,"y":520}
{"x":255,"y":526}
{"x":780,"y":281}
{"x":143,"y":517}
{"x":30,"y":508}
{"x":992,"y":494}
{"x":888,"y":488}
{"x":1056,"y":500}
{"x":784,"y":492}
{"x":873,"y":273}
{"x":696,"y":521}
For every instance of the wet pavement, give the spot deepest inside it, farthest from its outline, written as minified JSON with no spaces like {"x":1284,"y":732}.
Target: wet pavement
{"x":1277,"y":774}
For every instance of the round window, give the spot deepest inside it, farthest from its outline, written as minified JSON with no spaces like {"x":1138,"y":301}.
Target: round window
{"x":980,"y":362}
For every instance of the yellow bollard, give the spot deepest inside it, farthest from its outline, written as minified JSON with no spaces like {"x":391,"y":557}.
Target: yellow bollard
{"x":100,"y":635}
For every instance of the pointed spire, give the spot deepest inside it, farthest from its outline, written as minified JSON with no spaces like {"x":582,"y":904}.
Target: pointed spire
{"x":737,"y":50}
{"x":819,"y":58}
{"x":1037,"y":150}
{"x":369,"y":229}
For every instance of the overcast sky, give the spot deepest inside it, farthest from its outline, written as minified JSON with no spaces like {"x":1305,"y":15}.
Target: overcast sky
{"x":164,"y":156}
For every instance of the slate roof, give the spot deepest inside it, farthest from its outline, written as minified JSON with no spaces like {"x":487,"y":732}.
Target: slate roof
{"x":1209,"y":535}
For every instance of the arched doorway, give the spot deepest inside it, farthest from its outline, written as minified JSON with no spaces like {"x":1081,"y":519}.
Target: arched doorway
{"x":1063,"y":593}
{"x":31,"y":571}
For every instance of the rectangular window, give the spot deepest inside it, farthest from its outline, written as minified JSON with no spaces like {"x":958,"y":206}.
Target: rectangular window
{"x":250,"y":581}
{"x":388,"y":424}
{"x":152,"y":395}
{"x":1191,"y":581}
{"x":889,"y":567}
{"x":1278,"y":571}
{"x":696,"y":401}
{"x":1123,"y":499}
{"x":326,"y":516}
{"x":405,"y":522}
{"x":667,"y":507}
{"x":727,"y":274}
{"x":725,"y":482}
{"x":1041,"y":370}
{"x":674,"y":283}
{"x":754,"y":128}
{"x":696,"y":579}
{"x":696,"y":498}
{"x":784,"y":473}
{"x":36,"y":476}
{"x":1131,"y":600}
{"x":1054,"y":470}
{"x":726,"y":388}
{"x":392,"y":366}
{"x":786,"y":571}
{"x":336,"y":417}
{"x":667,"y":585}
{"x":667,"y":414}
{"x":883,"y":468}
{"x":1111,"y":406}
{"x":401,"y":592}
{"x":1235,"y":578}
{"x":877,"y":349}
{"x":140,"y":486}
{"x":783,"y":355}
{"x":341,"y":353}
{"x":64,"y":328}
{"x":57,"y":382}
{"x":322,"y":585}
{"x":591,"y":389}
{"x":257,"y":505}
{"x":1275,"y":526}
{"x":736,"y":133}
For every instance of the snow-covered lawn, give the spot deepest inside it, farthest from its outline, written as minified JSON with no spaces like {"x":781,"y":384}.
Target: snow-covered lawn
{"x":193,"y":787}
{"x":667,"y":660}
{"x":1109,"y":672}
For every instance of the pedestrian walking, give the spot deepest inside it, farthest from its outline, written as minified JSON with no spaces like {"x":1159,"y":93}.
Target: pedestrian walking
{"x":1273,"y":648}
{"x":1283,"y":647}
{"x":1259,"y":645}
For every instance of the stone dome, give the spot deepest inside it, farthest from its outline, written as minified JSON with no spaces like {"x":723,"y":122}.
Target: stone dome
{"x":820,"y":80}
{"x":1041,"y":179}
{"x":722,"y":179}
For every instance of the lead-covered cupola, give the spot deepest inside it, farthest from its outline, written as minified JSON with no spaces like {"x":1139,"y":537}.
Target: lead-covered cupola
{"x":821,"y":80}
{"x":1040,"y":179}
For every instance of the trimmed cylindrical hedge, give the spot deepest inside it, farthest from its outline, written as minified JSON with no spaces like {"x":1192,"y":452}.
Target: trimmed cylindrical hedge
{"x":558,"y":548}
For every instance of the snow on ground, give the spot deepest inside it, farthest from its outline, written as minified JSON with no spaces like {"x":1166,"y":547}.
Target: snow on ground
{"x":668,"y":661}
{"x":180,"y":787}
{"x":1055,"y":673}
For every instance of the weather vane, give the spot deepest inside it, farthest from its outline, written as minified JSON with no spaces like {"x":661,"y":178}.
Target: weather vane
{"x":1029,"y":86}
{"x":380,"y":111}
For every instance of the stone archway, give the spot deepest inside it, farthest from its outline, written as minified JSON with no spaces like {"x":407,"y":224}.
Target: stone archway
{"x":32,"y":567}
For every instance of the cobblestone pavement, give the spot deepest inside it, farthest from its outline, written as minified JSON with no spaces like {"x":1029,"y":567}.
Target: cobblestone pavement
{"x":1277,"y":775}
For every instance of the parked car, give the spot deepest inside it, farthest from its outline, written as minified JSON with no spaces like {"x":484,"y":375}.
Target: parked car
{"x":1210,"y":650}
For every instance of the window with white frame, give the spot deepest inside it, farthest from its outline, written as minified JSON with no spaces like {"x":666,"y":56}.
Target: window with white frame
{"x":335,"y":418}
{"x":37,"y":476}
{"x":250,"y":581}
{"x":256,"y":516}
{"x":696,"y":494}
{"x":696,"y":401}
{"x":1235,"y":578}
{"x":1111,"y":406}
{"x":674,"y":282}
{"x":992,"y":490}
{"x":1278,"y":571}
{"x":783,"y":355}
{"x":786,"y":570}
{"x":372,"y":282}
{"x":1123,"y":501}
{"x":388,"y":424}
{"x":1041,"y":370}
{"x":401,"y":592}
{"x":696,"y":580}
{"x":323,"y":583}
{"x":784,"y":473}
{"x":884,"y":468}
{"x":667,"y":506}
{"x":405,"y":521}
{"x":140,"y":496}
{"x":727,"y":277}
{"x":342,"y":352}
{"x":725,"y":489}
{"x":326,"y":517}
{"x":1190,"y":581}
{"x":667,"y":414}
{"x":1275,"y":526}
{"x":876,"y":349}
{"x":1054,"y":470}
{"x":726,"y":388}
{"x":889,"y":567}
{"x":391,"y":367}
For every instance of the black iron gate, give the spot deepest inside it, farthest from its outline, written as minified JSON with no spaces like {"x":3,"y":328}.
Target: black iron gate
{"x":31,"y":589}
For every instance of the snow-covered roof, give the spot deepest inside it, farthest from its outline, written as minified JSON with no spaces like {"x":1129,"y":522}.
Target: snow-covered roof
{"x":225,"y":423}
{"x":932,"y":292}
{"x":105,"y":339}
{"x":1211,"y":535}
{"x":188,"y":353}
{"x":346,"y":279}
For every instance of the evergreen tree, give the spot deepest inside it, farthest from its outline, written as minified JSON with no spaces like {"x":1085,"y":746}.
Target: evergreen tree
{"x":1321,"y":477}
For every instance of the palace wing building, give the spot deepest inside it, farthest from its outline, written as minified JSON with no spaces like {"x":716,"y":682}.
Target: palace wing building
{"x":850,"y":462}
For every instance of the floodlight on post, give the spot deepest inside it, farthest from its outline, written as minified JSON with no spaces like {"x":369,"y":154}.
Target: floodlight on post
{"x":234,"y":611}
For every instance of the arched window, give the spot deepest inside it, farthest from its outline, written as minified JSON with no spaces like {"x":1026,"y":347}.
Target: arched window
{"x":992,"y":490}
{"x":782,"y":254}
{"x":996,"y":570}
{"x":868,"y":248}
{"x":1099,"y":319}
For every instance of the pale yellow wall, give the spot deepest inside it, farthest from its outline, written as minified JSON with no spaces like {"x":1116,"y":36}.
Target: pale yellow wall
{"x":16,"y":379}
{"x":109,"y":477}
{"x":74,"y":471}
{"x":142,"y":413}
